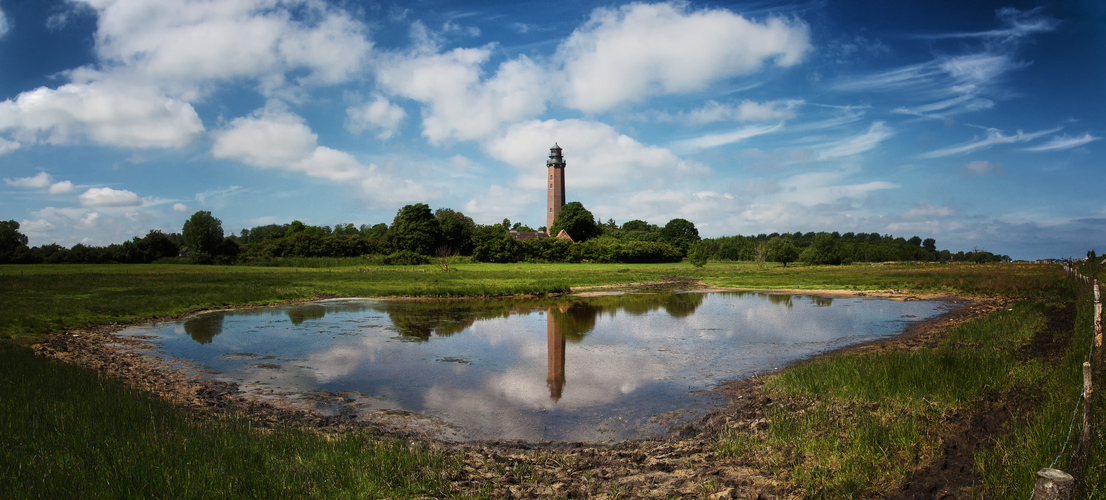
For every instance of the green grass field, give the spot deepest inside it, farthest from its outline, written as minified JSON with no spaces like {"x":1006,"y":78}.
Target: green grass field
{"x":40,"y":299}
{"x":70,"y":432}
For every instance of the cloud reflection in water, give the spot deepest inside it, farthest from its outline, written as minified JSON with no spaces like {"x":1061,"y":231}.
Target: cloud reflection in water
{"x":569,"y":368}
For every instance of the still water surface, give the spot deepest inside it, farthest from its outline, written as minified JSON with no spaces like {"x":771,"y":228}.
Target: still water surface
{"x":571,"y":368}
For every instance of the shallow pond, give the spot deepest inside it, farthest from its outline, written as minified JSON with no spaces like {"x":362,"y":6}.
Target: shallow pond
{"x":569,"y":368}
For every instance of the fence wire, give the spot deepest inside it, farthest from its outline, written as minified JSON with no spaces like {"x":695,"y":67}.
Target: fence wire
{"x":1082,"y":394}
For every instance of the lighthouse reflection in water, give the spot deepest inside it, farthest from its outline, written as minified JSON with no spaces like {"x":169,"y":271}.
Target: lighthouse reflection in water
{"x":569,"y":369}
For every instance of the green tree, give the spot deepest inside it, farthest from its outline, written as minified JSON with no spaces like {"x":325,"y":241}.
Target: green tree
{"x":637,"y":225}
{"x":823,"y":250}
{"x":377,"y":230}
{"x":698,"y":254}
{"x":346,"y":229}
{"x":577,"y":221}
{"x":680,"y":233}
{"x":930,"y":244}
{"x":502,"y":249}
{"x":457,"y":230}
{"x":11,"y":241}
{"x":780,"y":249}
{"x":415,"y":229}
{"x":295,"y":227}
{"x":155,"y":245}
{"x":203,"y":232}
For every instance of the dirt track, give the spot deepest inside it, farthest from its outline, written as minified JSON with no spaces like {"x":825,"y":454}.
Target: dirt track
{"x":684,"y":465}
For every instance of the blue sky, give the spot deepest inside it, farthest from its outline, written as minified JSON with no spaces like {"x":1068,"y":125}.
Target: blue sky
{"x":979,"y":124}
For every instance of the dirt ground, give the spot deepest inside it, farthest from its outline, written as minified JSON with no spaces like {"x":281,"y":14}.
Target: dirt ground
{"x":684,"y":465}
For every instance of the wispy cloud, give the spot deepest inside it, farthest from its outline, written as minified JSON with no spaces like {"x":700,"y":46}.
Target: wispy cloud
{"x":845,"y":115}
{"x":994,"y":137}
{"x":745,"y":111}
{"x":957,"y":84}
{"x":715,"y":140}
{"x":1063,"y":142}
{"x":1018,"y":25}
{"x":941,"y":109}
{"x":858,"y":144}
{"x":219,"y":197}
{"x":950,"y":75}
{"x":947,"y":86}
{"x":814,"y":188}
{"x":891,"y":80}
{"x":3,"y":24}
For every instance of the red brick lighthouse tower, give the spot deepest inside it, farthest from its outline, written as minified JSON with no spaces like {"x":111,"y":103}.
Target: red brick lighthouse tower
{"x":556,"y":166}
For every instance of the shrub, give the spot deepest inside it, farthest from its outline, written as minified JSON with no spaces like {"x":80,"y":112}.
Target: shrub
{"x":698,"y":254}
{"x":406,"y":258}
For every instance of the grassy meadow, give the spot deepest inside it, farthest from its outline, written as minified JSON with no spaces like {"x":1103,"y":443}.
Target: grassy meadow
{"x":843,"y":426}
{"x":46,"y":298}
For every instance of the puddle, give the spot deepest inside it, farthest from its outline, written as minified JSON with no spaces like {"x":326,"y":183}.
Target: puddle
{"x":566,"y":369}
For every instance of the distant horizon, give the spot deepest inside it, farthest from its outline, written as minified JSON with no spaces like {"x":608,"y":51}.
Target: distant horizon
{"x":977,"y":124}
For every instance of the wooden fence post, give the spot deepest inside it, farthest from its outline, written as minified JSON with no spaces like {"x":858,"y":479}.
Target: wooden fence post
{"x":1097,"y":324}
{"x":1088,"y":400}
{"x":1053,"y":484}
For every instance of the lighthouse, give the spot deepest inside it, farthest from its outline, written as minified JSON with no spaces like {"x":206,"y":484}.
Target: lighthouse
{"x":556,"y":167}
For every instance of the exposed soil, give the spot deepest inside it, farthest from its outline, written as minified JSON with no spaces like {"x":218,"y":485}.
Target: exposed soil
{"x":952,"y":476}
{"x":682,"y":465}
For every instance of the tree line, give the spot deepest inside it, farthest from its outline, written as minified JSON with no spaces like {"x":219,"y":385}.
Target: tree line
{"x":832,"y":249}
{"x":417,"y":235}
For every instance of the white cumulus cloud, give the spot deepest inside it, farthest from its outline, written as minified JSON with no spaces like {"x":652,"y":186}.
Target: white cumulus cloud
{"x":275,"y":138}
{"x":35,"y":228}
{"x":63,"y":187}
{"x":268,"y":138}
{"x":7,"y":146}
{"x":639,"y":50}
{"x":117,"y":115}
{"x":607,"y":156}
{"x":280,"y":139}
{"x":108,"y":197}
{"x":380,"y":115}
{"x":459,"y":103}
{"x":181,"y":45}
{"x":42,"y":180}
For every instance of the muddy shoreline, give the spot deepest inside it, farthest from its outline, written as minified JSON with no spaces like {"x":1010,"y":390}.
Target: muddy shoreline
{"x":679,"y":465}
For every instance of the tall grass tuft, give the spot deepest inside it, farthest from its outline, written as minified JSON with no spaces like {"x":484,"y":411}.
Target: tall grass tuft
{"x":853,"y":425}
{"x":1041,"y":438}
{"x":69,"y":432}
